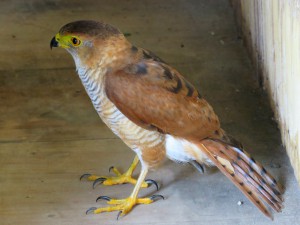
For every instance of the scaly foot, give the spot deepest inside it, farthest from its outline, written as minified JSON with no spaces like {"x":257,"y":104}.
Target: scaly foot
{"x":119,"y":178}
{"x":122,"y":205}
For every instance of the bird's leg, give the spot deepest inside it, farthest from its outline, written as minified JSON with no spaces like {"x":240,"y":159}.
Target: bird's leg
{"x":119,"y":178}
{"x":126,"y":205}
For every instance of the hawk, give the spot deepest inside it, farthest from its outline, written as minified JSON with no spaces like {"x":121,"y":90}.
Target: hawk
{"x":158,"y":114}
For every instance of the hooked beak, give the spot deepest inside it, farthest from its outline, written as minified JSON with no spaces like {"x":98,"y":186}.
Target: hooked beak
{"x":53,"y":43}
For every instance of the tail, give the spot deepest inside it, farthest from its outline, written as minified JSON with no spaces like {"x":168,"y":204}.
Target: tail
{"x":246,"y":173}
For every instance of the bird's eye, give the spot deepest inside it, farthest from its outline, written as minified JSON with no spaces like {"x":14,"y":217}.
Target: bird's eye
{"x":75,"y":41}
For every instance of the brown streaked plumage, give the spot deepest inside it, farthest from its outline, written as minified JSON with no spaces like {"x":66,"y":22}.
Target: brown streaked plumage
{"x":159,"y":99}
{"x":157,"y":113}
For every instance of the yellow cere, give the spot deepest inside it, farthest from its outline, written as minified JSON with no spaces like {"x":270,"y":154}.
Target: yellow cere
{"x":66,"y":41}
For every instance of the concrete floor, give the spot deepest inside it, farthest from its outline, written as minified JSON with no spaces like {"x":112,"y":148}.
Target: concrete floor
{"x":50,"y":133}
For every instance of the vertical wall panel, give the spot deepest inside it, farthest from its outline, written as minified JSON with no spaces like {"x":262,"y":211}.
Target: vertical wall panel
{"x":271,"y":29}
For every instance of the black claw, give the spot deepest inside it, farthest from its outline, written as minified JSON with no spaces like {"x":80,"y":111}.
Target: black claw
{"x":92,"y":209}
{"x":104,"y":198}
{"x":110,"y":168}
{"x":153,"y":197}
{"x":150,"y":181}
{"x":85,"y":175}
{"x":98,"y":181}
{"x":118,"y":216}
{"x":201,"y":169}
{"x":198,"y":166}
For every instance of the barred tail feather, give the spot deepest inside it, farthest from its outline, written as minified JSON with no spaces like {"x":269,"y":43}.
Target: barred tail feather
{"x":247,"y":174}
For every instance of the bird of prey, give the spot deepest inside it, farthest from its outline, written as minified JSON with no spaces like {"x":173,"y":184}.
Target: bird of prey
{"x":158,"y":114}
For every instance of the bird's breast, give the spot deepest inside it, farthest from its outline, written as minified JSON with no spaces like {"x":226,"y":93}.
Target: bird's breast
{"x":143,"y":141}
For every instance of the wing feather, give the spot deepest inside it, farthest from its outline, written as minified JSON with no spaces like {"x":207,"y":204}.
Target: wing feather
{"x":155,"y":96}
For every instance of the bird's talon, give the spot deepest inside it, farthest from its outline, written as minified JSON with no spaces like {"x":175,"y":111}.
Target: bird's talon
{"x":110,"y":168}
{"x":198,"y":166}
{"x":98,"y":181}
{"x":119,"y":214}
{"x":150,"y":181}
{"x":103,"y":198}
{"x":86,"y":175}
{"x":115,"y":170}
{"x":92,"y":209}
{"x":153,"y":197}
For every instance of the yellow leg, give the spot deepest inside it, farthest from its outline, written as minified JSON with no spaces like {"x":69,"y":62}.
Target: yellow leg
{"x":126,"y":205}
{"x":119,"y":178}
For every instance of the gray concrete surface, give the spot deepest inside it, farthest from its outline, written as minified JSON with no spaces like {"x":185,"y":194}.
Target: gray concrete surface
{"x":50,"y":133}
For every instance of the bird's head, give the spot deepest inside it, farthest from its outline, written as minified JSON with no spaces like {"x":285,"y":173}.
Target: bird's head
{"x":88,"y":41}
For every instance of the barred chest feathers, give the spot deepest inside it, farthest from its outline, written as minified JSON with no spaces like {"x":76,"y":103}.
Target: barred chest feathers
{"x":136,"y":137}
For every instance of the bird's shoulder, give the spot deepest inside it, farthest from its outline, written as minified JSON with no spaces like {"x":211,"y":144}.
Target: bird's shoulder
{"x":145,"y":68}
{"x":144,"y":54}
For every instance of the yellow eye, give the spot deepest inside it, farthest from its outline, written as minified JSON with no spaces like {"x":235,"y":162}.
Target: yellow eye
{"x":75,"y":41}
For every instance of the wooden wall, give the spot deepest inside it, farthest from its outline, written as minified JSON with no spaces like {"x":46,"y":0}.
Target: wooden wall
{"x":271,"y":30}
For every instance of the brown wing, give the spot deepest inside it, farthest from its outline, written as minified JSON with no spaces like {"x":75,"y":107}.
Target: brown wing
{"x":155,"y":96}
